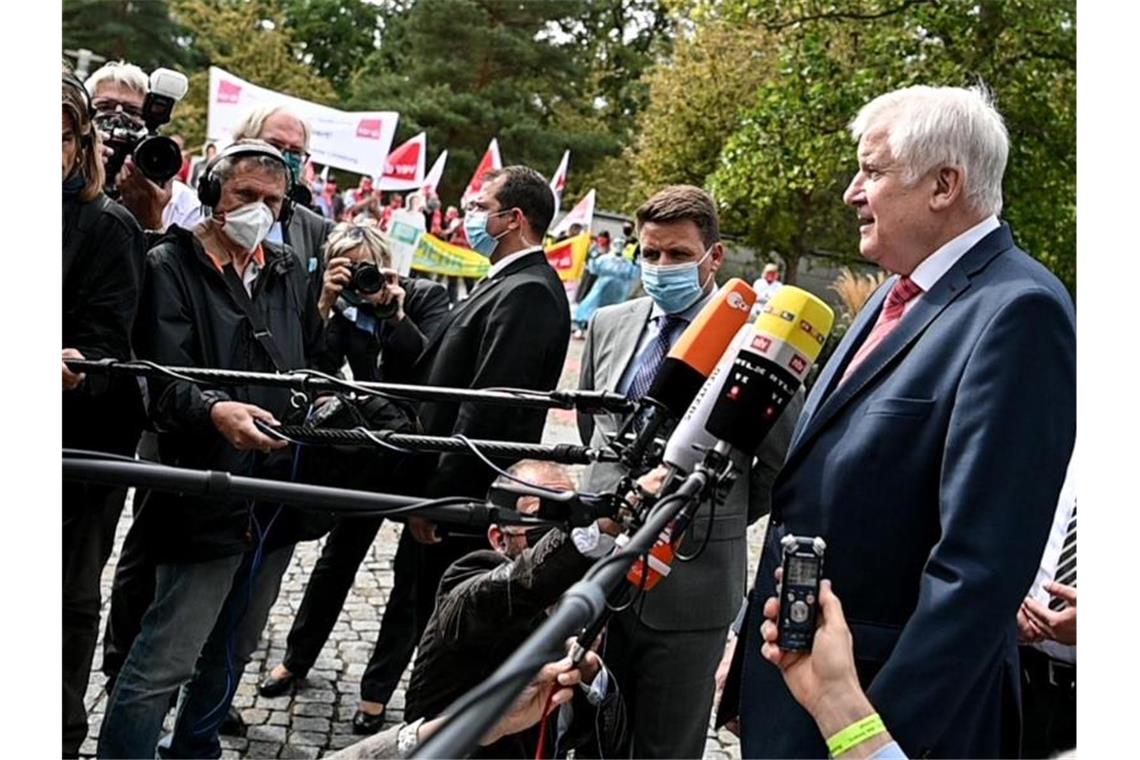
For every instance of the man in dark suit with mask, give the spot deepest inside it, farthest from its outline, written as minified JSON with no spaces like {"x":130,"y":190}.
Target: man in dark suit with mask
{"x":512,"y":331}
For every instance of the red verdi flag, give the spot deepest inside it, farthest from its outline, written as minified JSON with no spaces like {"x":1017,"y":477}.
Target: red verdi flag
{"x":490,"y":162}
{"x":404,"y":167}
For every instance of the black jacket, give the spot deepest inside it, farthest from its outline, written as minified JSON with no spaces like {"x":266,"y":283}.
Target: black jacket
{"x":188,"y":317}
{"x":487,"y":605}
{"x":103,"y":250}
{"x":391,"y":355}
{"x":512,"y":331}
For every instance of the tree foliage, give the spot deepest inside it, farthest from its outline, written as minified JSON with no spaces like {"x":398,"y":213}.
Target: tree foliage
{"x":782,"y":156}
{"x":333,"y":37}
{"x":139,"y":31}
{"x":249,"y":39}
{"x":466,"y":71}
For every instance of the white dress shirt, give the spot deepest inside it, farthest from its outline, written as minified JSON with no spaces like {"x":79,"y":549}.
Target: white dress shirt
{"x":502,"y":263}
{"x":1048,"y":568}
{"x":937,"y":264}
{"x":183,"y":208}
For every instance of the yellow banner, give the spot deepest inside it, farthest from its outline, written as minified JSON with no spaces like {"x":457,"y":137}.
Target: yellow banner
{"x":435,"y":256}
{"x":568,"y":257}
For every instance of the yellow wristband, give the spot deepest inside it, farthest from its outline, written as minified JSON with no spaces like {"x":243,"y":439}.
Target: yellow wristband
{"x":855,"y":734}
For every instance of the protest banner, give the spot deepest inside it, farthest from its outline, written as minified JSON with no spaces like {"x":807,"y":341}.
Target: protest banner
{"x":356,"y":141}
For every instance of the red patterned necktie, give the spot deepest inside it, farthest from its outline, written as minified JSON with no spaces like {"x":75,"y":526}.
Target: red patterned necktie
{"x":902,"y":292}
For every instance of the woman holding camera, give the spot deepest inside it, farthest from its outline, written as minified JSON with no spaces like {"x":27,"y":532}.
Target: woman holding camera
{"x":103,"y":250}
{"x":380,"y":323}
{"x":377,"y":320}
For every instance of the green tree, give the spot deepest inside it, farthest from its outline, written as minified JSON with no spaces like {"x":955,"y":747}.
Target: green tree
{"x":248,"y":39}
{"x":782,"y":171}
{"x":469,"y":70}
{"x":140,"y":32}
{"x":333,"y":37}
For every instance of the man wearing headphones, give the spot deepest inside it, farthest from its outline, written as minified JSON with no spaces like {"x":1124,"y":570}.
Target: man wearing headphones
{"x":217,"y":296}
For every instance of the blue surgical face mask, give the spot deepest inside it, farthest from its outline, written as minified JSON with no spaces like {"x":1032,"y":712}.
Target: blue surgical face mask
{"x":475,"y":225}
{"x":674,"y":287}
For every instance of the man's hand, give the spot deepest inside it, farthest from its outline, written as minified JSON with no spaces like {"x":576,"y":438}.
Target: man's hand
{"x":557,"y":677}
{"x":1027,"y":630}
{"x":391,"y":291}
{"x":72,"y":380}
{"x":337,"y":275}
{"x":144,"y":199}
{"x":1055,"y":626}
{"x":825,"y":677}
{"x":234,"y":420}
{"x":423,"y":530}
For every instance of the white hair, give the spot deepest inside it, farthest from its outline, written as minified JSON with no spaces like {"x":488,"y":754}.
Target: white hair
{"x":249,"y":128}
{"x":929,"y":127}
{"x":121,"y":73}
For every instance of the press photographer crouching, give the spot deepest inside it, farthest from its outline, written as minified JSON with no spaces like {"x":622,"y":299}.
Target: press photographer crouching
{"x":102,"y":252}
{"x":139,"y":164}
{"x":489,"y":602}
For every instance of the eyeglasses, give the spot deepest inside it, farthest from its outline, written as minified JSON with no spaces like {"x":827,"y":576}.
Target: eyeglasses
{"x":110,"y":105}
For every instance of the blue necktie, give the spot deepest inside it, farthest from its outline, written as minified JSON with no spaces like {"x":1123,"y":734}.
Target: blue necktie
{"x":650,"y":360}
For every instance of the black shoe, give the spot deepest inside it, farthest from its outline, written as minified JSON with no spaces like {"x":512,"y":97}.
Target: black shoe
{"x":232,"y":725}
{"x":275,"y":687}
{"x":365,"y":724}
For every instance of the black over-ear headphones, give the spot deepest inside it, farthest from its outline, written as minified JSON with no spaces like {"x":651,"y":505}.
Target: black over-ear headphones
{"x":210,"y":187}
{"x":70,"y":80}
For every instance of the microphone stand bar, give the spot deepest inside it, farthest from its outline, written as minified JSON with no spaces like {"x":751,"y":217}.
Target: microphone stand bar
{"x":475,"y":713}
{"x":222,"y":485}
{"x":308,"y":381}
{"x":564,"y":453}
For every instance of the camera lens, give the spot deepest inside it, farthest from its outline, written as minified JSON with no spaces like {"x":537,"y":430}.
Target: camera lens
{"x":158,"y":158}
{"x":366,"y":278}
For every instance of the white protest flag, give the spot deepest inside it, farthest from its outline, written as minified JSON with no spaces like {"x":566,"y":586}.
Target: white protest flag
{"x":356,"y":141}
{"x":489,"y":162}
{"x":404,"y":167}
{"x":558,"y":182}
{"x":582,"y":213}
{"x":436,"y":174}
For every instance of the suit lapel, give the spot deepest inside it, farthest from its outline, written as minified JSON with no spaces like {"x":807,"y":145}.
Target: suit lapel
{"x":932,"y":303}
{"x":626,"y":340}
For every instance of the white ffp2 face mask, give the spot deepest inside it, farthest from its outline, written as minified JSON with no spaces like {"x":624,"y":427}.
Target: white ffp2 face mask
{"x":248,"y":225}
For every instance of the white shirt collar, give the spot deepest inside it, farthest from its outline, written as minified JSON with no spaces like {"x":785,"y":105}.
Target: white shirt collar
{"x":934,"y":266}
{"x":502,"y":263}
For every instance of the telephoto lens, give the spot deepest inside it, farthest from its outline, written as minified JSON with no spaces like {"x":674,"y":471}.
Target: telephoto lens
{"x":158,"y":158}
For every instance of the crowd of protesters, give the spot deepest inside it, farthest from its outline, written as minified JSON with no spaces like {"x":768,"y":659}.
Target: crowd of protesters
{"x":234,"y":264}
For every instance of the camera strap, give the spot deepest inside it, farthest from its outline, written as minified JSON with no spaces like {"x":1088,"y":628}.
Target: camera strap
{"x":260,"y":331}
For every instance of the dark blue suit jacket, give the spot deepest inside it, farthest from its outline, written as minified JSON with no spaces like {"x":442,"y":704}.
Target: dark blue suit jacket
{"x":933,"y":474}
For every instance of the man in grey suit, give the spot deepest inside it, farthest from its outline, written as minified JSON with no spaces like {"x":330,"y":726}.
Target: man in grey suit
{"x":665,"y":649}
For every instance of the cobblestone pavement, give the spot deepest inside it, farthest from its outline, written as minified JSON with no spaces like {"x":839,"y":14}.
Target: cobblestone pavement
{"x":316,"y":720}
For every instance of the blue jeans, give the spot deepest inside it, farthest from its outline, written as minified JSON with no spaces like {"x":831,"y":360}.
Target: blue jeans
{"x":199,"y":633}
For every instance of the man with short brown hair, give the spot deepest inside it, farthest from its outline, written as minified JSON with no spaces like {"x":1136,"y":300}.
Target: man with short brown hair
{"x":665,"y":651}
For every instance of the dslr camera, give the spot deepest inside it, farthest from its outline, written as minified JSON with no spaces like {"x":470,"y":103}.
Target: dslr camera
{"x":158,"y":158}
{"x":367,"y":279}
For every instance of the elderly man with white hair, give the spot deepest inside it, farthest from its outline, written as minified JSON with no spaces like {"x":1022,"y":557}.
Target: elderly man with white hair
{"x":120,"y":88}
{"x":931,"y":451}
{"x":307,"y":231}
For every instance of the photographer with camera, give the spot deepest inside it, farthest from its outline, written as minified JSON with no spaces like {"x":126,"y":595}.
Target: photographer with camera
{"x":103,"y":250}
{"x":141,"y":166}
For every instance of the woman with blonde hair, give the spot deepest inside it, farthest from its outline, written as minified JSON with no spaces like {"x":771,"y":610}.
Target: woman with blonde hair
{"x":103,"y":250}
